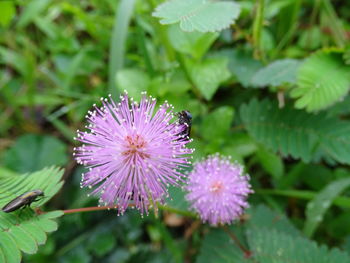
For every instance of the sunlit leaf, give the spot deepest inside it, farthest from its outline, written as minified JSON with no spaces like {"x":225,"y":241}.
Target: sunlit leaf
{"x":208,"y":75}
{"x":192,"y":43}
{"x":323,"y":79}
{"x":198,"y":15}
{"x":24,"y":230}
{"x":134,"y":81}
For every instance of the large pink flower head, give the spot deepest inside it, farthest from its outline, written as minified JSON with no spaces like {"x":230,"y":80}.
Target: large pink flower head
{"x":217,"y":190}
{"x":132,"y":152}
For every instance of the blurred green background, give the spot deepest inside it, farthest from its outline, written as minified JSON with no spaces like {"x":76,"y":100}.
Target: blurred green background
{"x":57,"y":58}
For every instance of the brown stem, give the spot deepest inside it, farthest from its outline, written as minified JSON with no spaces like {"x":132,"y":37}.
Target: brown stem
{"x":88,"y":209}
{"x":247,"y":253}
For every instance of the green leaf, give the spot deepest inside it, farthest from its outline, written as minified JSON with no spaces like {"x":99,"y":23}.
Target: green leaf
{"x":240,"y":144}
{"x":295,"y":133}
{"x":177,"y":199}
{"x":263,"y":217}
{"x":8,"y":11}
{"x":24,"y":230}
{"x":277,"y":73}
{"x":208,"y":75}
{"x":271,"y":163}
{"x":118,"y":42}
{"x":101,"y":243}
{"x":33,"y":9}
{"x":242,"y":65}
{"x":272,"y":246}
{"x":217,"y":124}
{"x":134,"y":81}
{"x":33,"y":152}
{"x":192,"y":43}
{"x":198,"y":15}
{"x":346,"y":56}
{"x":318,"y":206}
{"x":323,"y":79}
{"x":218,"y":247}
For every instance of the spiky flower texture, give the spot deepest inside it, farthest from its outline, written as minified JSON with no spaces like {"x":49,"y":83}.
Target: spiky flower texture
{"x":217,"y":190}
{"x":132,"y":152}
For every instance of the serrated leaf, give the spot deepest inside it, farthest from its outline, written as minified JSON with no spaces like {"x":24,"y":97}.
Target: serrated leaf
{"x":263,"y":217}
{"x":33,"y":152}
{"x":269,"y":246}
{"x":277,"y":73}
{"x":208,"y":75}
{"x":296,"y":133}
{"x":318,"y":206}
{"x":323,"y":79}
{"x":192,"y":43}
{"x":24,"y":230}
{"x":198,"y":15}
{"x":218,"y":247}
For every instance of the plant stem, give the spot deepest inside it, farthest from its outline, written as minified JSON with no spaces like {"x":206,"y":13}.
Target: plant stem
{"x":178,"y":211}
{"x":246,"y":252}
{"x":98,"y":208}
{"x":88,"y":209}
{"x":257,"y":28}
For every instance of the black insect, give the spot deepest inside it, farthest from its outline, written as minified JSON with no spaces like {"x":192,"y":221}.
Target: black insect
{"x":185,"y":117}
{"x":23,"y":201}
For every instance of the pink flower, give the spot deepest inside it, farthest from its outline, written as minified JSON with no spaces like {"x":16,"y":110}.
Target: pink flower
{"x":217,"y":190}
{"x":132,"y":152}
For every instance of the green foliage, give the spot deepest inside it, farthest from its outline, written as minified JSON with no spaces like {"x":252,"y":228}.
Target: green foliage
{"x":213,"y":58}
{"x":198,"y":15}
{"x":323,"y":79}
{"x":134,"y":81}
{"x":34,"y":152}
{"x":273,"y":246}
{"x":218,"y":247}
{"x":217,"y":124}
{"x":25,"y":230}
{"x":195,"y":44}
{"x":7,"y":12}
{"x":277,"y":73}
{"x":272,"y":238}
{"x":242,"y":65}
{"x":272,"y":163}
{"x":296,"y":133}
{"x":263,"y":217}
{"x":318,"y":206}
{"x":208,"y":75}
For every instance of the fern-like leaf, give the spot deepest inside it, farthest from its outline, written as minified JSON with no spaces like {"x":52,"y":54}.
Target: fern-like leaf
{"x":269,"y":246}
{"x":296,"y":133}
{"x":262,"y":216}
{"x":24,"y":230}
{"x":323,"y":79}
{"x":218,"y":247}
{"x":198,"y":15}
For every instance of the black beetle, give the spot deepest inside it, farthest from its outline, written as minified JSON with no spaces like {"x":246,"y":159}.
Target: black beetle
{"x":185,"y":117}
{"x":23,"y":200}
